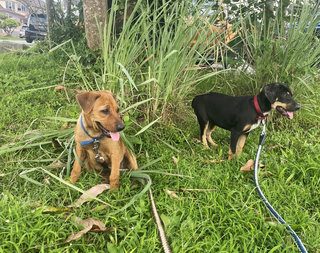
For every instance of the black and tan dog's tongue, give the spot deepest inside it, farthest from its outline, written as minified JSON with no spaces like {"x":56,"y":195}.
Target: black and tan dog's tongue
{"x":284,"y":112}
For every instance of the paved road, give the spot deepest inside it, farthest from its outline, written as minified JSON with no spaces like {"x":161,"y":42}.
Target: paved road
{"x":22,"y":42}
{"x":12,"y":45}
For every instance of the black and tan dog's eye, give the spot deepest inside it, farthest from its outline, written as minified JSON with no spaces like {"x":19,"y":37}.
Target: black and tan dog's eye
{"x":105,"y":111}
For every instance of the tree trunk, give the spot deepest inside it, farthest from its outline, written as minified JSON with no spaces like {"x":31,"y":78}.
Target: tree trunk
{"x":95,"y":16}
{"x":50,"y":18}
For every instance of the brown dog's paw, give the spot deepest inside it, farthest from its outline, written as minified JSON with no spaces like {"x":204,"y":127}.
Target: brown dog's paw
{"x":114,"y":186}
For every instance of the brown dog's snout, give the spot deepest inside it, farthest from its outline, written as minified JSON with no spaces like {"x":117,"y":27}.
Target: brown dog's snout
{"x":120,"y":125}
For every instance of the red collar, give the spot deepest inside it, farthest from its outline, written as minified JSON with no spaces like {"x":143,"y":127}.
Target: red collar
{"x":258,"y":109}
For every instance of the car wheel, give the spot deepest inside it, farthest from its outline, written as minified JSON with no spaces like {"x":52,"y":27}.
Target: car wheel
{"x":29,"y":40}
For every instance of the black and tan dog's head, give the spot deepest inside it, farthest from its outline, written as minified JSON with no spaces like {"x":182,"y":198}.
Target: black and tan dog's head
{"x":280,"y":98}
{"x":101,"y":112}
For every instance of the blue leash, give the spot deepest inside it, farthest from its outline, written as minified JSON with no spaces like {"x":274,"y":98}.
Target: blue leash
{"x":270,"y":208}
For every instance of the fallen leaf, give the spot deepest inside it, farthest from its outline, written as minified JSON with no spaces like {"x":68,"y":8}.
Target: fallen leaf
{"x":171,"y":193}
{"x":56,"y":165}
{"x":77,"y":91}
{"x":46,"y":180}
{"x":55,"y":144}
{"x":175,"y":160}
{"x":59,"y":87}
{"x":196,"y":140}
{"x":249,"y":166}
{"x":272,"y":147}
{"x":51,"y":209}
{"x":91,"y":193}
{"x":91,"y":225}
{"x":217,"y":161}
{"x":35,"y":204}
{"x":195,"y":190}
{"x":65,"y":125}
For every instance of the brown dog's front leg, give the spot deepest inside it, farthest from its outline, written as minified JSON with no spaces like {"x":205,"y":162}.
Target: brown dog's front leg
{"x":131,"y":160}
{"x":115,"y":173}
{"x":76,"y":169}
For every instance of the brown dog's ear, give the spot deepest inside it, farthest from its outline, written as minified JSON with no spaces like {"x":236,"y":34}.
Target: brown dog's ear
{"x":86,"y":100}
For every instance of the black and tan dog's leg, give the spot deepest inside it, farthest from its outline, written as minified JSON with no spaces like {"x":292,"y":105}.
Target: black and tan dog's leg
{"x":238,"y":140}
{"x":210,"y":129}
{"x":204,"y":134}
{"x":76,"y":169}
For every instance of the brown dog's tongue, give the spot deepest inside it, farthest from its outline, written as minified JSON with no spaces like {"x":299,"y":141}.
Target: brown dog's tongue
{"x":115,"y":136}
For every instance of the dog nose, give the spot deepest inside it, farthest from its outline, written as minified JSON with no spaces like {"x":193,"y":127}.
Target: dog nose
{"x":120,"y":126}
{"x":297,"y":107}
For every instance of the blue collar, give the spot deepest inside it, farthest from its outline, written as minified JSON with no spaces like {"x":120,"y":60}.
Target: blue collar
{"x":94,"y":139}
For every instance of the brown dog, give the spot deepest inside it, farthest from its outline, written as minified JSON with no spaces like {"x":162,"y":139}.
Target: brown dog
{"x":98,"y":142}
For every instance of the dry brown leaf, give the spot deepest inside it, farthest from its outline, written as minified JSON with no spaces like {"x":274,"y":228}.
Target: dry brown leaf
{"x":171,"y":193}
{"x":91,"y":193}
{"x":56,"y":165}
{"x":77,"y":91}
{"x":66,"y":125}
{"x":46,"y":180}
{"x":249,"y":166}
{"x":91,"y":225}
{"x":272,"y":147}
{"x":59,"y":87}
{"x":175,"y":160}
{"x":195,"y":190}
{"x":217,"y":161}
{"x":55,"y":143}
{"x":196,"y":140}
{"x":51,"y":209}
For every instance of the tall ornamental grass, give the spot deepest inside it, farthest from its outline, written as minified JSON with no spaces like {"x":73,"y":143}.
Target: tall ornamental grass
{"x":156,"y":54}
{"x":284,"y":50}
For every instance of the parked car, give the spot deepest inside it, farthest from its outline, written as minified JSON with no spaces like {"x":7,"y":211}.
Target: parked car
{"x":37,"y":27}
{"x":22,"y":31}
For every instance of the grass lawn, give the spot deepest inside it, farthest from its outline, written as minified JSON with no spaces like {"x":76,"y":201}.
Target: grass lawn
{"x":231,"y":218}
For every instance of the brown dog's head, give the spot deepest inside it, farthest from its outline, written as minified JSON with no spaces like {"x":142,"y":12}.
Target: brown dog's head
{"x":280,"y":98}
{"x":101,"y":112}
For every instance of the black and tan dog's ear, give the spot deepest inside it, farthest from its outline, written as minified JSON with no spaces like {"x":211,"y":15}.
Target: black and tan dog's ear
{"x":86,"y":100}
{"x":270,"y":92}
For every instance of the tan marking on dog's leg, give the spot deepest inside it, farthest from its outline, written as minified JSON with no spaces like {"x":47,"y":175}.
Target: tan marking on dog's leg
{"x":240,"y":144}
{"x":231,"y":155}
{"x":247,"y":127}
{"x":204,"y":136}
{"x":208,"y":135}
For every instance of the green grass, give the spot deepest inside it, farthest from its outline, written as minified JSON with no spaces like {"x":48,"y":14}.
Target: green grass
{"x":230,"y":219}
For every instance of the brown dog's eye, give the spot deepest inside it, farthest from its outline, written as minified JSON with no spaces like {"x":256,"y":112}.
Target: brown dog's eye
{"x":105,"y":111}
{"x":118,"y":110}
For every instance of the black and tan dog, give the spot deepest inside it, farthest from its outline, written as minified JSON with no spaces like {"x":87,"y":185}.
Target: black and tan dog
{"x":240,"y":115}
{"x":97,"y":137}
